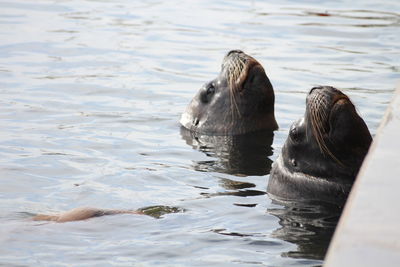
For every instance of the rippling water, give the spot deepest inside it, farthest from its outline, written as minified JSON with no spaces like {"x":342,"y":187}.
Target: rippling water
{"x":91,"y":95}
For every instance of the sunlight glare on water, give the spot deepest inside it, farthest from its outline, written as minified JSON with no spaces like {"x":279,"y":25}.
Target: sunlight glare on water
{"x":91,"y":95}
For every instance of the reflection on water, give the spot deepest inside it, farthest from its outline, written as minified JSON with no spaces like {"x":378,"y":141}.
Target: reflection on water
{"x":308,"y":225}
{"x":235,"y":188}
{"x":158,"y":211}
{"x":246,"y":154}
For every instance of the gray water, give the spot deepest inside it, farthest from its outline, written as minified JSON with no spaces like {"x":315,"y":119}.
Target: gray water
{"x":91,"y":95}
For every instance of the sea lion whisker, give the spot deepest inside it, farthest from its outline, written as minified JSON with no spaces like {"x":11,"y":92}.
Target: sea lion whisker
{"x":232,"y":107}
{"x":316,"y":122}
{"x":235,"y":102}
{"x":234,"y":73}
{"x":318,"y":117}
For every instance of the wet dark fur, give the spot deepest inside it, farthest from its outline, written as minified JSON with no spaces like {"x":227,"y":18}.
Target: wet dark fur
{"x":323,"y":152}
{"x":240,"y":100}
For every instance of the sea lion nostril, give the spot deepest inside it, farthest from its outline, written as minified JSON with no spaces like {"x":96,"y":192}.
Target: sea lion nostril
{"x":236,"y":51}
{"x":315,"y":88}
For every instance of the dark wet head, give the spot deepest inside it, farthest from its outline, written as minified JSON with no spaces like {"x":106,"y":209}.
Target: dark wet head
{"x":331,"y":140}
{"x":240,"y":100}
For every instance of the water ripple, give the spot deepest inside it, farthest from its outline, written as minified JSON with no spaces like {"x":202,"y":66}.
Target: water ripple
{"x":92,"y":92}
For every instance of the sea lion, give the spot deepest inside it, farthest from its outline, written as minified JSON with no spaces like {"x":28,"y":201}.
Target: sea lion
{"x":81,"y":213}
{"x":323,"y":152}
{"x":240,"y":100}
{"x":84,"y":213}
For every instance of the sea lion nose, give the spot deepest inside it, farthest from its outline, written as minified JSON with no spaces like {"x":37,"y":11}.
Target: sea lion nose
{"x":325,"y":89}
{"x":236,"y":51}
{"x":315,"y":88}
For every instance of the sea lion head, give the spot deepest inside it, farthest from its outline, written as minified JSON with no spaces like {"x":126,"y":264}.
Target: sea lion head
{"x":240,"y":100}
{"x":324,"y":150}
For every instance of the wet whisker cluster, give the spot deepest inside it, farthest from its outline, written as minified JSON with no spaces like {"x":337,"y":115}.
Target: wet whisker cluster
{"x":234,"y":70}
{"x":319,"y":122}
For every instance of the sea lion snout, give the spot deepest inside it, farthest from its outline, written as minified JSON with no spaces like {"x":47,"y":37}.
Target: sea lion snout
{"x":235,"y":51}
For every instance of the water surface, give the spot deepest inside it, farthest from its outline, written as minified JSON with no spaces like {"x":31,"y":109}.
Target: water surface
{"x":91,"y":95}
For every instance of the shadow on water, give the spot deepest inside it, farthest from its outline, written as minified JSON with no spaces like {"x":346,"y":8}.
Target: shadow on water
{"x":245,"y":154}
{"x":309,"y":225}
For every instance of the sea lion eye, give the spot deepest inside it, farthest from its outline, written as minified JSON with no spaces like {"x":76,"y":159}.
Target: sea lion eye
{"x":207,"y":92}
{"x":210,"y":89}
{"x":293,"y":162}
{"x":294,"y":133}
